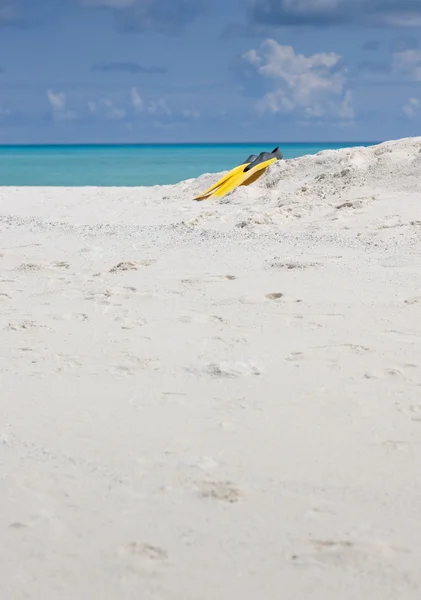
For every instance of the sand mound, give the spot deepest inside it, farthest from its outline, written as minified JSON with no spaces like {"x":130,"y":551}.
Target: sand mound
{"x":395,"y":165}
{"x":334,"y":184}
{"x":330,"y":172}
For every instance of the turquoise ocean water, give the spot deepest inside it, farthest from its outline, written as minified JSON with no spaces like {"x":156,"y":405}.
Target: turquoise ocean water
{"x":112,"y":165}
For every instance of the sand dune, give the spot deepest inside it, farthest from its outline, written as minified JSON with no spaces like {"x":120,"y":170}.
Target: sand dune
{"x":216,"y":399}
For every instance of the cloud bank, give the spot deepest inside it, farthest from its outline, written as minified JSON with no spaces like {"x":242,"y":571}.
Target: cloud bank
{"x":322,"y":13}
{"x":310,"y":86}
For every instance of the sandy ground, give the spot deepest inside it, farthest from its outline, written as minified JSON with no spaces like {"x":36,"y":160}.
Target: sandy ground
{"x":218,"y":399}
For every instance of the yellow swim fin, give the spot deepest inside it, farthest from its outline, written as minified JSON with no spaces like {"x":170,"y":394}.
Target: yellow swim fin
{"x":245,"y":174}
{"x":207,"y":193}
{"x":243,"y":178}
{"x":221,"y":181}
{"x":257,"y":175}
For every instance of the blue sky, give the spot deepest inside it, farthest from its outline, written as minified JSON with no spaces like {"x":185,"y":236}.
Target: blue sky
{"x":79,"y":71}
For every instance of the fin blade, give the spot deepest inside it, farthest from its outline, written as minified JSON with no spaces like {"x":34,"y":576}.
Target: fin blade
{"x":243,"y":178}
{"x":207,"y":193}
{"x":257,"y":175}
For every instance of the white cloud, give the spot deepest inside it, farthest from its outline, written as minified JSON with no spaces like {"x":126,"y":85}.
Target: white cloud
{"x":159,"y":106}
{"x":313,"y":85}
{"x":412,"y":108}
{"x":191,"y":114}
{"x":107,"y":108}
{"x":119,"y":107}
{"x":57,"y":100}
{"x":137,"y":101}
{"x":58,"y":103}
{"x":346,"y":110}
{"x":160,"y":125}
{"x":112,"y":112}
{"x":117,"y":113}
{"x":409,"y":63}
{"x":252,"y":57}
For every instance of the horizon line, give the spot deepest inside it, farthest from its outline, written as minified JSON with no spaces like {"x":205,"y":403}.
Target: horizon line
{"x":99,"y":144}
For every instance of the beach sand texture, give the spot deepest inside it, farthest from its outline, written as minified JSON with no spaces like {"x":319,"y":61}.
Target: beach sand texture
{"x":217,"y":399}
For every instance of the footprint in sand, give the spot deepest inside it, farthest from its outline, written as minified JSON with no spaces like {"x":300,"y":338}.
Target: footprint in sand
{"x":225,"y":370}
{"x":223,"y":491}
{"x":349,"y":553}
{"x":295,"y":356}
{"x":348,"y":348}
{"x":67,"y":362}
{"x":124,"y":266}
{"x":102,"y":297}
{"x":29,"y":267}
{"x":17,"y":525}
{"x":413,"y":411}
{"x":61,"y":264}
{"x":134,"y":364}
{"x":354,"y":204}
{"x":274,"y":296}
{"x":22,"y":325}
{"x":71,"y":317}
{"x":216,"y":341}
{"x":139,"y":556}
{"x":414,"y":300}
{"x":201,"y":318}
{"x":105,"y":296}
{"x":208,"y":279}
{"x":405,"y":372}
{"x":277,"y":263}
{"x":33,"y":267}
{"x":131,"y":265}
{"x":128,"y":325}
{"x":396,"y":445}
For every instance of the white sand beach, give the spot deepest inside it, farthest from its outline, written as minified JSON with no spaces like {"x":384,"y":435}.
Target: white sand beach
{"x":216,"y":399}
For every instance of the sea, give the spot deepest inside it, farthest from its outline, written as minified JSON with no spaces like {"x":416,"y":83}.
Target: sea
{"x":133,"y":165}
